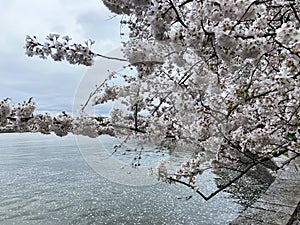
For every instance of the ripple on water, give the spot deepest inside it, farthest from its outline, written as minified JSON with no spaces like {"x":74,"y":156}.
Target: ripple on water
{"x":53,"y":185}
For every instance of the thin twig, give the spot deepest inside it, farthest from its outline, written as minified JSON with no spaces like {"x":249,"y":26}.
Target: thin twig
{"x":112,"y":58}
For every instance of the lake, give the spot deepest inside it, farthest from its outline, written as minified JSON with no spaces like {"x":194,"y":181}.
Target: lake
{"x":48,"y":180}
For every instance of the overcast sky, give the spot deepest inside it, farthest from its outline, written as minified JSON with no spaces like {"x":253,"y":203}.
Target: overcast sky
{"x":52,"y":84}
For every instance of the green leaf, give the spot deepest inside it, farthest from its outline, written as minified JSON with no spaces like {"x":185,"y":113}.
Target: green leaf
{"x":291,"y":137}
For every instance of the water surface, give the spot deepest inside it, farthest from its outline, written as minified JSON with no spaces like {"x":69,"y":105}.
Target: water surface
{"x":45,"y":180}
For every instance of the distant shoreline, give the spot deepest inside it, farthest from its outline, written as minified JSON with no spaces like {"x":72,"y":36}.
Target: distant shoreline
{"x":7,"y":131}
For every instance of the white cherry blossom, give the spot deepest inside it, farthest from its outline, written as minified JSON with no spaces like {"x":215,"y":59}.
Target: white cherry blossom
{"x":225,"y":71}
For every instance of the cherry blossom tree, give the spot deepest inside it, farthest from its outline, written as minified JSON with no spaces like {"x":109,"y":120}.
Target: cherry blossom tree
{"x":219,"y":76}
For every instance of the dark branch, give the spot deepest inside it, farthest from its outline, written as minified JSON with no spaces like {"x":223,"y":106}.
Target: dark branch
{"x":206,"y":198}
{"x":295,"y":12}
{"x":177,"y":14}
{"x":184,"y":3}
{"x":112,"y":58}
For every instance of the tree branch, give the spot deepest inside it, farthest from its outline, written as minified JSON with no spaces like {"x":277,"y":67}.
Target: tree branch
{"x":206,"y":198}
{"x":112,"y":58}
{"x":177,"y":14}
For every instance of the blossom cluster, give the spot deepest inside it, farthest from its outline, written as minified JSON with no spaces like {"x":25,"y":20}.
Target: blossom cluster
{"x":21,"y":118}
{"x":17,"y":113}
{"x":61,"y":49}
{"x":191,"y":169}
{"x":230,"y":71}
{"x":125,"y":6}
{"x":5,"y":111}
